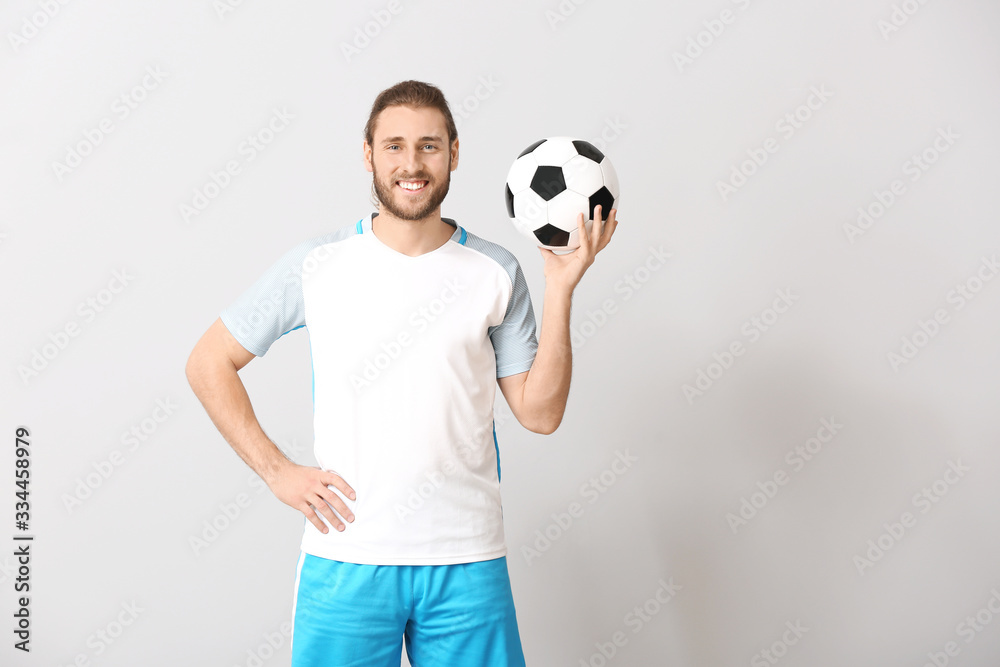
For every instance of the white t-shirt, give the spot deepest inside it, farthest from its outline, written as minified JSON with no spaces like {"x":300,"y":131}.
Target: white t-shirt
{"x":405,"y":353}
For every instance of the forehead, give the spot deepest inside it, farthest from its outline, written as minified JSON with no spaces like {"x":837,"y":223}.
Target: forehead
{"x":400,"y":121}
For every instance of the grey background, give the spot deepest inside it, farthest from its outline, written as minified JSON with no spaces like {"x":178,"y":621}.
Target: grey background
{"x":680,"y":131}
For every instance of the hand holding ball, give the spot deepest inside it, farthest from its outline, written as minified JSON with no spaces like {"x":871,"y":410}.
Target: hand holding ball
{"x":551,"y":183}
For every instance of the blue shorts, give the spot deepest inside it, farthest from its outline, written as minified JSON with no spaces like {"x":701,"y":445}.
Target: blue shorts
{"x":351,"y":615}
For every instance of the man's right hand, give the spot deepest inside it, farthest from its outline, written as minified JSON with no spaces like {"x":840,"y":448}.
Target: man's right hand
{"x":306,"y":489}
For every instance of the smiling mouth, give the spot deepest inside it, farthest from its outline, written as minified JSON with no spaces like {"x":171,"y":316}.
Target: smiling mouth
{"x":412,"y":186}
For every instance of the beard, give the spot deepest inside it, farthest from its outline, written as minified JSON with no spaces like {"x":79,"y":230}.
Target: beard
{"x":397,"y":204}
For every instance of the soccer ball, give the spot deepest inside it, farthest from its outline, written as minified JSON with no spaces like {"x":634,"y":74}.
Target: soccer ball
{"x":551,"y":183}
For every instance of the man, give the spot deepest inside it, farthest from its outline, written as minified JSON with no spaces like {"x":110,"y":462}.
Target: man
{"x":410,"y":319}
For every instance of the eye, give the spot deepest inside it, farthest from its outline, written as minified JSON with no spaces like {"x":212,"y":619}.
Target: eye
{"x":432,"y":146}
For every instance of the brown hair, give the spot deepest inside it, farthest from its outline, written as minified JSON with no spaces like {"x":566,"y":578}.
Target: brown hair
{"x":416,"y":94}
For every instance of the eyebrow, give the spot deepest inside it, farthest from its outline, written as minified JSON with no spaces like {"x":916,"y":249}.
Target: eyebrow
{"x":396,"y":140}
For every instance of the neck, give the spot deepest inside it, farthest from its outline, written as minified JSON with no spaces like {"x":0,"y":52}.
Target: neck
{"x":411,"y":237}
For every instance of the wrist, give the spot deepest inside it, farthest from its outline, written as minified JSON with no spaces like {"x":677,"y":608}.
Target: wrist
{"x":276,"y":468}
{"x":559,"y":289}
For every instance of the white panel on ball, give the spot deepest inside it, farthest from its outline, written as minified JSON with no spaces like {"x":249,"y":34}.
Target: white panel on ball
{"x":519,"y":176}
{"x":555,"y":152}
{"x":584,"y":176}
{"x":610,"y":178}
{"x":530,"y":209}
{"x":564,"y":209}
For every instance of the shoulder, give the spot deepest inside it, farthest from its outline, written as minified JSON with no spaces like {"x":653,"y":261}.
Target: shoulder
{"x":494,"y":251}
{"x":339,"y":234}
{"x":293,"y":257}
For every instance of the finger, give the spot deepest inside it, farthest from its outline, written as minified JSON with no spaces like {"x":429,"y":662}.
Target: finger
{"x":607,"y":229}
{"x":588,"y":239}
{"x":581,"y":234}
{"x":610,"y":226}
{"x":597,"y":231}
{"x":314,"y":519}
{"x":335,"y":501}
{"x":332,"y":478}
{"x":322,"y":506}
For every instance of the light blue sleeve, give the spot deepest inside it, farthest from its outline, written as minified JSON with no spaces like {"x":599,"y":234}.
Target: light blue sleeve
{"x":514,"y":340}
{"x":272,"y":306}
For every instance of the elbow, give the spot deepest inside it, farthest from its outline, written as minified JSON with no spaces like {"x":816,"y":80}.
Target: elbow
{"x":546,"y":427}
{"x":205,"y":368}
{"x":544,"y":422}
{"x":194,"y":369}
{"x":191,"y":373}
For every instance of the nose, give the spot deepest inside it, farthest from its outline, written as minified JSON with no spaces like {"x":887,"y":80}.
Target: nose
{"x":412,"y":163}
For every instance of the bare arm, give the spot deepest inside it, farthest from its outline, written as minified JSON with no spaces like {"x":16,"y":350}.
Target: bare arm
{"x":538,"y":396}
{"x":213,"y":372}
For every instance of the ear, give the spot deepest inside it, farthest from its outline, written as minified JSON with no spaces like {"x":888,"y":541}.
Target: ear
{"x":454,"y":154}
{"x":366,"y":152}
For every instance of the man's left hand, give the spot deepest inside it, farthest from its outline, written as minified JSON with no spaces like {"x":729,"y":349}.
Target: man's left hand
{"x":567,"y":270}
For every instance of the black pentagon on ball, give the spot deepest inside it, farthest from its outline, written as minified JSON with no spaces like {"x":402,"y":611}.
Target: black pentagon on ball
{"x":509,"y":196}
{"x":548,"y":182}
{"x":531,"y":148}
{"x":550,"y":235}
{"x":605,"y":199}
{"x":587,"y":149}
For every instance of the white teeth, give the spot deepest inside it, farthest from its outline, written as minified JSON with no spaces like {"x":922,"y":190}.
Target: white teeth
{"x":412,"y":186}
